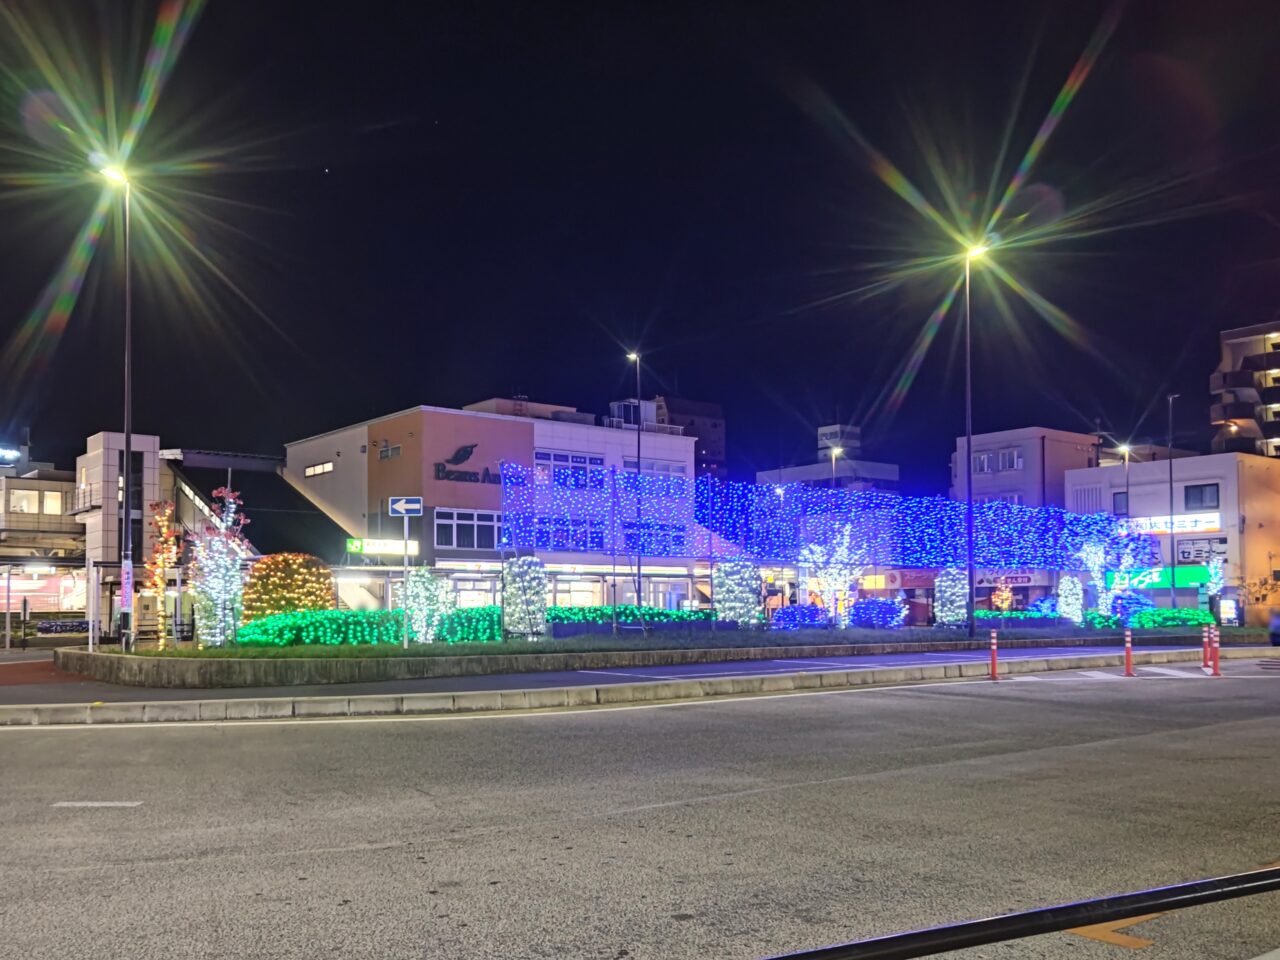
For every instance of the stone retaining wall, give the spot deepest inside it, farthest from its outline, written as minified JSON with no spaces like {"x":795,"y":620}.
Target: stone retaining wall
{"x":197,"y":673}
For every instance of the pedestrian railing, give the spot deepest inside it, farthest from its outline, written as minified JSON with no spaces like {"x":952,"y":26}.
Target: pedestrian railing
{"x":1033,"y":923}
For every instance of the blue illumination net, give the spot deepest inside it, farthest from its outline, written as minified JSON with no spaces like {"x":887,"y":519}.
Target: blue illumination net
{"x":708,"y":518}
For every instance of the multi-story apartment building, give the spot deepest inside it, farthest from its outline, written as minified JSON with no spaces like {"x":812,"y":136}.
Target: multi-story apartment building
{"x":1025,"y":466}
{"x":1246,"y":389}
{"x":703,"y":421}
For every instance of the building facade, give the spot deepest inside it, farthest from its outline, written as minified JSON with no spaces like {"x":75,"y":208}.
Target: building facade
{"x":1026,"y":466}
{"x":703,"y":421}
{"x":839,"y":465}
{"x":1226,"y":506}
{"x":1246,"y":390}
{"x":453,"y":459}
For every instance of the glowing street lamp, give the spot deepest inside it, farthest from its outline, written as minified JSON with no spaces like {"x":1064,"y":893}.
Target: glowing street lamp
{"x":1125,"y":449}
{"x":634,"y":357}
{"x":835,"y":452}
{"x":974,"y":252}
{"x":117,"y":177}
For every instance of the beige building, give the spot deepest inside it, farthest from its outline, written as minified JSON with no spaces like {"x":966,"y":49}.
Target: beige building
{"x":1225,"y":506}
{"x":1025,"y":466}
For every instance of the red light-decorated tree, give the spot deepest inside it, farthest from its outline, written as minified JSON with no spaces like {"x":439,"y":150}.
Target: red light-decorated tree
{"x":164,"y":557}
{"x":286,"y":583}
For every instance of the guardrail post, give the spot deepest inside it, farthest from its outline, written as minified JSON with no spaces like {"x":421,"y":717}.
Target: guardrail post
{"x":995,"y":661}
{"x":1216,"y":651}
{"x":1128,"y":652}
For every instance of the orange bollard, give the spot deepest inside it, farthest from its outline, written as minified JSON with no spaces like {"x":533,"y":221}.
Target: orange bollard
{"x":1217,"y":651}
{"x":1204,"y":639}
{"x":995,"y":663}
{"x":1128,"y":653}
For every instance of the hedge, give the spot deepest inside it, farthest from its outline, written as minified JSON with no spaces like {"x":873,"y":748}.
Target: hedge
{"x":323,"y":627}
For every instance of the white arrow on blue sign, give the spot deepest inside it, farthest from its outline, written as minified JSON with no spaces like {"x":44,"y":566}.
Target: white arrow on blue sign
{"x":404,"y":506}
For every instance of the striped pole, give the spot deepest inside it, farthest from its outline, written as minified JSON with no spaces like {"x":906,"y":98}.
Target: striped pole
{"x":995,"y":662}
{"x":1204,"y":640}
{"x":1217,"y":651}
{"x":1128,"y":653}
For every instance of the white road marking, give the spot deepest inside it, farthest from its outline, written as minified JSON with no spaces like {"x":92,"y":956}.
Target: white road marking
{"x":97,"y":803}
{"x":1024,"y":678}
{"x":1170,"y":672}
{"x":1273,"y":955}
{"x":1099,"y":675}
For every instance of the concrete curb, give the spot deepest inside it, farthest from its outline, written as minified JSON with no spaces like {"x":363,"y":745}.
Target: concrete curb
{"x":489,"y":701}
{"x":174,"y":672}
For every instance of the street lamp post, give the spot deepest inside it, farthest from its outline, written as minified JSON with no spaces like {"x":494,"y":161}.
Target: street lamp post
{"x":635,"y":358}
{"x":1128,"y":508}
{"x":835,"y":452}
{"x":117,"y":176}
{"x":1173,"y":539}
{"x":973,"y":253}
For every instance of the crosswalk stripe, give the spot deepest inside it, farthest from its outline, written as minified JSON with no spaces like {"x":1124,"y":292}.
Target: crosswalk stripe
{"x":1099,"y":675}
{"x":1168,"y":672}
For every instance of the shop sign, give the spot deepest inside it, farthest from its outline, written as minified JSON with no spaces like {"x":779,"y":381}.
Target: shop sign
{"x":910,"y":579}
{"x":369,"y":547}
{"x":1157,"y":578}
{"x":444,"y":471}
{"x":1209,"y":522}
{"x":1202,"y":549}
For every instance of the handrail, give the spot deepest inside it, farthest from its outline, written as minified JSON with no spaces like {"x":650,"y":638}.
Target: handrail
{"x":1030,"y":923}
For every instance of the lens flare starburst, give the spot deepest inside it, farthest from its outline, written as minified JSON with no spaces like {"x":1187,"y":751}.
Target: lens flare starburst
{"x":85,"y":136}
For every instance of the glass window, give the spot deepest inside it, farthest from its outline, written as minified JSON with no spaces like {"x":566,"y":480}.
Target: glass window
{"x":466,"y":535}
{"x":24,"y":501}
{"x":1120,"y":504}
{"x":1010,"y":459}
{"x":485,"y":537}
{"x":444,"y":534}
{"x":1201,"y":496}
{"x":468,"y":530}
{"x":53,"y":502}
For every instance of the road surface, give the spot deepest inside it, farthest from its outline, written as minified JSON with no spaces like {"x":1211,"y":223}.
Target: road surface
{"x":730,"y":829}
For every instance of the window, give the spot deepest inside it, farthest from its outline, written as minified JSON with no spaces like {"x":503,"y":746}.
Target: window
{"x":468,"y":530}
{"x":1120,"y":503}
{"x":389,"y":453}
{"x":1010,"y":459}
{"x":53,"y":503}
{"x":1201,"y":496}
{"x":24,"y":501}
{"x":318,"y":468}
{"x":982,"y":463}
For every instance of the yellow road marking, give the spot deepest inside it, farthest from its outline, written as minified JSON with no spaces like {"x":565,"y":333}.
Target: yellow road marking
{"x":1109,"y":932}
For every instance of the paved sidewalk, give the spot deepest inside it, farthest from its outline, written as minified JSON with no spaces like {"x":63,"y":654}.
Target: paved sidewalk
{"x":60,"y":688}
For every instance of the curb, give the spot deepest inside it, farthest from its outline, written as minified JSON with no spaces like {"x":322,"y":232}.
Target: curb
{"x":488,"y":701}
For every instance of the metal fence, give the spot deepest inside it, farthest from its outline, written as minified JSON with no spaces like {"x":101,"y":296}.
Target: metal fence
{"x":1032,"y":923}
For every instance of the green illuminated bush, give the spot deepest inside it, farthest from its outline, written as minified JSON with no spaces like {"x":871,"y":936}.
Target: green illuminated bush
{"x":1165,"y":617}
{"x":1014,"y":615}
{"x":1101,"y":621}
{"x":627,"y":613}
{"x":471,"y":625}
{"x":332,"y":627}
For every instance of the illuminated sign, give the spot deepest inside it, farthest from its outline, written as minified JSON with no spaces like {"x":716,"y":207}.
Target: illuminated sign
{"x":1182,"y":523}
{"x":380,"y":548}
{"x":1202,"y":549}
{"x":1157,"y":578}
{"x":10,"y":455}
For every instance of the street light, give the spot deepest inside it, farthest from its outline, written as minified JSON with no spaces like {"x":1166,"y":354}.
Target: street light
{"x":117,"y":177}
{"x":975,"y":252}
{"x":1124,"y":448}
{"x":1173,"y":539}
{"x":635,"y":358}
{"x":835,"y":452}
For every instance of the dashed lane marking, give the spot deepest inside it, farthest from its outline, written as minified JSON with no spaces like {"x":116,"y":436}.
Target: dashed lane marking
{"x":97,"y":803}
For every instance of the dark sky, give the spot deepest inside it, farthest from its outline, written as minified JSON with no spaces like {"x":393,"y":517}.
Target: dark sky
{"x":440,"y":202}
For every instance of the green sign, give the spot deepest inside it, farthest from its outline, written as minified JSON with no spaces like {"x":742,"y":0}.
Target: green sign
{"x":1157,"y":578}
{"x":355,"y":545}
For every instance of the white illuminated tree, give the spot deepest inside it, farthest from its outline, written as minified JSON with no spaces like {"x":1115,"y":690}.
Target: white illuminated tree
{"x":524,"y":597}
{"x":835,"y":565}
{"x":217,"y":549}
{"x":951,"y":596}
{"x":735,"y":587}
{"x":429,"y":599}
{"x":1071,"y":599}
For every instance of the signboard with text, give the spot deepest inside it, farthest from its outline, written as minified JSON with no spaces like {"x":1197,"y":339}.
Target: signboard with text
{"x":1157,"y":578}
{"x":1208,"y":522}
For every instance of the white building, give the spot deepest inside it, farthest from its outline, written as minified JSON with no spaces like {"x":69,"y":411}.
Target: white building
{"x":1025,"y":466}
{"x":838,"y":465}
{"x":1225,"y":505}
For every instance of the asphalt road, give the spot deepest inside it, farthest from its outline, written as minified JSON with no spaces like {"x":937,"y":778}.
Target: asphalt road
{"x":730,"y":829}
{"x":34,"y":679}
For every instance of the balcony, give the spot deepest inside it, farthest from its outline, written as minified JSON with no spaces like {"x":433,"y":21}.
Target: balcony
{"x":1232,"y":380}
{"x":1232,"y":410}
{"x":1270,"y":429}
{"x":1268,"y":360}
{"x":1236,"y":445}
{"x":1269,"y":394}
{"x":670,"y":429}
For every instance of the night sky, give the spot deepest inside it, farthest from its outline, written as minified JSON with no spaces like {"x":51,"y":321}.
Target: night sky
{"x":441,"y":202}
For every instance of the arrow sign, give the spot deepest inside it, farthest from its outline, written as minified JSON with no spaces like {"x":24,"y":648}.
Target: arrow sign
{"x":404,"y":507}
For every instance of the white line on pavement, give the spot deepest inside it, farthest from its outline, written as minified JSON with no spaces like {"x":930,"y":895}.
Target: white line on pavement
{"x":1099,"y":675}
{"x":97,"y":803}
{"x":1170,"y":672}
